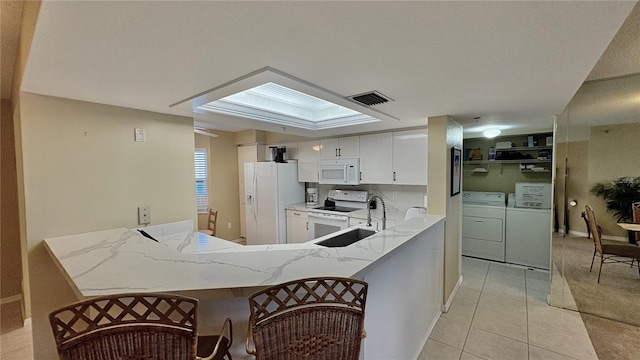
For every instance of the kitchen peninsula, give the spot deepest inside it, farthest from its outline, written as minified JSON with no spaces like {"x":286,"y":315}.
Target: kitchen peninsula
{"x":403,"y":266}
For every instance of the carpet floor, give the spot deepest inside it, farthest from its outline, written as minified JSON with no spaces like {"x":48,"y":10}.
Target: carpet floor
{"x":610,"y":309}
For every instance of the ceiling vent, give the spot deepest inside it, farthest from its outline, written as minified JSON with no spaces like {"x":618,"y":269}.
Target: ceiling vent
{"x":371,"y":98}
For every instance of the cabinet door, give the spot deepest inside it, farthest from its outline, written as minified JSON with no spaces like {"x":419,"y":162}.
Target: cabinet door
{"x":349,"y":147}
{"x":410,"y":157}
{"x":376,"y":159}
{"x":308,"y":157}
{"x":297,"y":228}
{"x":329,"y":148}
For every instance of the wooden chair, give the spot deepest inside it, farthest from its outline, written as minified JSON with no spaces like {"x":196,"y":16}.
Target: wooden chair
{"x":211,"y":223}
{"x":314,"y":318}
{"x":135,"y":326}
{"x":635,"y":207}
{"x":620,"y":253}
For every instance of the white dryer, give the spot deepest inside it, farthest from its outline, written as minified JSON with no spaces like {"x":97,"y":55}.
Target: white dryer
{"x":483,"y":224}
{"x":528,"y":235}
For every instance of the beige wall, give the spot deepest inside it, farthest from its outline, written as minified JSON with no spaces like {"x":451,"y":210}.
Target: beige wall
{"x":610,"y":152}
{"x":445,"y":133}
{"x":223,"y":183}
{"x":83,"y":172}
{"x":10,"y":254}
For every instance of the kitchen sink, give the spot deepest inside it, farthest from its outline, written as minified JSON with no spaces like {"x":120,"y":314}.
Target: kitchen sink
{"x":346,"y":238}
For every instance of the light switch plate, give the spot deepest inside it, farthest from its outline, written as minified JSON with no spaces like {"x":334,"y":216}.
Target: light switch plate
{"x":139,"y":134}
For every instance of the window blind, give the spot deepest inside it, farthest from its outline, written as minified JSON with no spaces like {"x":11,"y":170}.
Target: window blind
{"x":202,"y":190}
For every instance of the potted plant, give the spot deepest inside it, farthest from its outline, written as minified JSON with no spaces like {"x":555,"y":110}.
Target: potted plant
{"x":619,"y":194}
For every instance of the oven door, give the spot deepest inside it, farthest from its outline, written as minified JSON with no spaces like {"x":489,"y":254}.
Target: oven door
{"x":321,"y":224}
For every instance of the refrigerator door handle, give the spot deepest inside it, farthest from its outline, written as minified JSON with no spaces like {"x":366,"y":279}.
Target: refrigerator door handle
{"x":255,"y":194}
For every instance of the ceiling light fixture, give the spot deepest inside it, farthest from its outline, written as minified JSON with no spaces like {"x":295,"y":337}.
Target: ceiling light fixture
{"x":491,"y":133}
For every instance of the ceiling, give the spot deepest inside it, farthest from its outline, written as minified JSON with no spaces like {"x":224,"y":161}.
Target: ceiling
{"x":514,"y":64}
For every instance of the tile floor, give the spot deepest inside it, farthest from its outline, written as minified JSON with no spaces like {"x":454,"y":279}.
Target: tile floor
{"x":501,"y":312}
{"x":15,"y":339}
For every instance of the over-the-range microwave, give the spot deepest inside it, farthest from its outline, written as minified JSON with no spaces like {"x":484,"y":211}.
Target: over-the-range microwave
{"x":339,"y":171}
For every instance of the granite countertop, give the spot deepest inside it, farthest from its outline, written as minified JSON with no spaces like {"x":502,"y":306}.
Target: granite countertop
{"x":122,"y":260}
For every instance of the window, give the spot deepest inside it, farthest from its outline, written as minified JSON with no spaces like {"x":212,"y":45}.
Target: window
{"x":202,"y":190}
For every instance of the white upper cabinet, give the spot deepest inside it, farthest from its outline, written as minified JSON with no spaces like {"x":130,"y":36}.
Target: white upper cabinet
{"x":376,"y":159}
{"x":410,"y":157}
{"x":308,"y":157}
{"x":345,"y":147}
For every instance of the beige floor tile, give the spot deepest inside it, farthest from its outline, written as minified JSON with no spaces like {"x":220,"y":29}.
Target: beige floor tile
{"x":460,"y":312}
{"x":498,"y":322}
{"x":23,"y":353}
{"x":536,"y":353}
{"x":564,"y":341}
{"x":506,"y":268}
{"x":511,"y":280}
{"x":436,"y":350}
{"x":450,"y":332}
{"x":467,"y":356}
{"x":472,"y":282}
{"x":537,"y":298}
{"x":504,"y":291}
{"x":560,"y":319}
{"x":14,"y":340}
{"x":498,"y":303}
{"x":537,"y":285}
{"x":537,"y":274}
{"x":492,"y":346}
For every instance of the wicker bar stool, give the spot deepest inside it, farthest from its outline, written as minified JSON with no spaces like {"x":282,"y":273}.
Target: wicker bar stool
{"x":135,"y":326}
{"x":313,"y":318}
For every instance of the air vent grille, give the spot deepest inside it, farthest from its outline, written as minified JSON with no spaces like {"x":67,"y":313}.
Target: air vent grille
{"x":371,"y":98}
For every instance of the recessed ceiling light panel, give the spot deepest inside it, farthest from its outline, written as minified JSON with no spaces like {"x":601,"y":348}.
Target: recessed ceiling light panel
{"x":275,"y":97}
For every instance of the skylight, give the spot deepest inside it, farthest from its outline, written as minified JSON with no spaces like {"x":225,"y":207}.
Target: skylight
{"x":281,"y":105}
{"x":272,"y":96}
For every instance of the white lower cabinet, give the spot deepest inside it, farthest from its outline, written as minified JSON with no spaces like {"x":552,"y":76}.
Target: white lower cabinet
{"x":297,"y":226}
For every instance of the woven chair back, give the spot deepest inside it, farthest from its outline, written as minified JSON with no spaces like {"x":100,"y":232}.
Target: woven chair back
{"x":129,"y":326}
{"x":593,"y":225}
{"x":314,"y":318}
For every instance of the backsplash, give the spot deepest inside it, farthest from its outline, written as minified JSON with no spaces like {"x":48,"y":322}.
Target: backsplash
{"x":396,"y":197}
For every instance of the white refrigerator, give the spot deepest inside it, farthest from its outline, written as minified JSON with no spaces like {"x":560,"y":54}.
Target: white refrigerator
{"x":269,"y":188}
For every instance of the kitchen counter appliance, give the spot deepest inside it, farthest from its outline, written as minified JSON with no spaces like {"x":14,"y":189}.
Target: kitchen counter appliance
{"x":334,"y":215}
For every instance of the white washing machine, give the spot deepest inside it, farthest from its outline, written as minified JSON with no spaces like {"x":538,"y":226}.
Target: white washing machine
{"x":528,"y":235}
{"x":483,"y":225}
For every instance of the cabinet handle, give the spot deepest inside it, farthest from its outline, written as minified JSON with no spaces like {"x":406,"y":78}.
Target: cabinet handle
{"x":360,"y":175}
{"x":297,"y":214}
{"x":478,"y":221}
{"x":339,"y":152}
{"x":336,"y":152}
{"x":394,"y":176}
{"x":307,"y":225}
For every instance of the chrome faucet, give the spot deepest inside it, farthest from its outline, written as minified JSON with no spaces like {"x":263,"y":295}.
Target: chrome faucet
{"x":384,"y":211}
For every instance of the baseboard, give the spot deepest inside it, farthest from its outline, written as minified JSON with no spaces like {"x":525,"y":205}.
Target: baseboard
{"x":10,"y":299}
{"x":605,"y":237}
{"x":445,"y":307}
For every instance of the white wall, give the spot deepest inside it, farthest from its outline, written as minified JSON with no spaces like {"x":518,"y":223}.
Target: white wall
{"x":83,"y":172}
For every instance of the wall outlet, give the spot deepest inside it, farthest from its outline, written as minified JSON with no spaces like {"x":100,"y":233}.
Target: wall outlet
{"x":228,"y":225}
{"x":144,"y":215}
